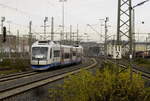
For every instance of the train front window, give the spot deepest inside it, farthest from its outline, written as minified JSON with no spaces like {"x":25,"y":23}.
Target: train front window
{"x":39,"y":53}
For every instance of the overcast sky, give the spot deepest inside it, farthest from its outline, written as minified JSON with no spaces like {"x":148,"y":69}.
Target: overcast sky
{"x":81,"y":12}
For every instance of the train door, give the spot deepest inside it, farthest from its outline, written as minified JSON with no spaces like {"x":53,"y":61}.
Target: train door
{"x":57,"y":56}
{"x":50,"y":56}
{"x":71,"y":53}
{"x":77,"y":54}
{"x":62,"y":55}
{"x":74,"y":54}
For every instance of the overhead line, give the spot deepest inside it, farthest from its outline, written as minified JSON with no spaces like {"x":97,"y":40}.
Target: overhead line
{"x":17,"y":10}
{"x":141,"y":3}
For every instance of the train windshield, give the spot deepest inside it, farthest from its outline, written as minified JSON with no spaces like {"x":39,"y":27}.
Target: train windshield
{"x":39,"y":53}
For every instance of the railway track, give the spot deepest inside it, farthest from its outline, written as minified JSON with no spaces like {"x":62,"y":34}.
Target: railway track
{"x":12,"y":87}
{"x":16,"y":76}
{"x":145,"y":74}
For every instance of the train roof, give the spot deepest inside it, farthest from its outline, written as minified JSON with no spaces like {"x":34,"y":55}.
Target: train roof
{"x":52,"y":43}
{"x":45,"y":43}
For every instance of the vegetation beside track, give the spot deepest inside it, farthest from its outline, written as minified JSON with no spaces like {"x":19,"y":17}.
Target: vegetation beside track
{"x":8,"y":66}
{"x":105,"y":85}
{"x":145,"y":63}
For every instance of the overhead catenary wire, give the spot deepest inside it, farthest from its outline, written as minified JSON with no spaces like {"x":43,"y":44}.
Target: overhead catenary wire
{"x":141,"y":3}
{"x":20,"y":11}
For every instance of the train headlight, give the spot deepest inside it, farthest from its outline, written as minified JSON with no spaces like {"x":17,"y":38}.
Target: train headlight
{"x":39,"y":56}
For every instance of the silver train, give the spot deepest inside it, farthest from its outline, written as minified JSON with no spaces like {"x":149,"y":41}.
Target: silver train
{"x":49,"y":54}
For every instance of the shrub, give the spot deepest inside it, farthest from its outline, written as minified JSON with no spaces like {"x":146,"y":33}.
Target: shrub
{"x":17,"y":64}
{"x":5,"y":62}
{"x":20,"y":64}
{"x":104,"y":85}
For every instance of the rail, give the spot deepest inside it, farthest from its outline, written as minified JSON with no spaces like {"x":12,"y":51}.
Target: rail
{"x":145,"y":74}
{"x":51,"y":78}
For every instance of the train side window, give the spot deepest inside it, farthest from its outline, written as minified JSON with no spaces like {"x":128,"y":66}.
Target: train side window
{"x":56,"y":53}
{"x":74,"y":53}
{"x":66,"y":55}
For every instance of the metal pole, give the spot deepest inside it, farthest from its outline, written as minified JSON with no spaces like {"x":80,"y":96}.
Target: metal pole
{"x":134,"y":41}
{"x":30,"y":37}
{"x":130,"y":38}
{"x":44,"y":29}
{"x":2,"y":20}
{"x":52,"y":29}
{"x":77,"y":35}
{"x":23,"y":46}
{"x":146,"y":44}
{"x":118,"y":23}
{"x":63,"y":24}
{"x":1,"y":44}
{"x":9,"y":43}
{"x":100,"y":32}
{"x":106,"y":30}
{"x":70,"y":34}
{"x":18,"y":43}
{"x":45,"y":20}
{"x":73,"y":38}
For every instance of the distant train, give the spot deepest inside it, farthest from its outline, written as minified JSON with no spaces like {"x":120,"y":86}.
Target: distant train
{"x":142,"y":54}
{"x":49,"y":54}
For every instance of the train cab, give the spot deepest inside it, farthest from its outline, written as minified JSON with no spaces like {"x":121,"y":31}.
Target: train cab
{"x":45,"y":55}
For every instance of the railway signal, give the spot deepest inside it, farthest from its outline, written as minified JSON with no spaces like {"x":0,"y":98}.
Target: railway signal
{"x":4,"y":34}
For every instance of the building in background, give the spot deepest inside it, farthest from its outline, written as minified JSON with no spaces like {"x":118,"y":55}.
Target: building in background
{"x":15,"y":44}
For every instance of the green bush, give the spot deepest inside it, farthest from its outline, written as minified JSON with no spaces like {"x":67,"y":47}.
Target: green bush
{"x":5,"y":62}
{"x":17,"y":64}
{"x":20,"y":64}
{"x":104,"y":85}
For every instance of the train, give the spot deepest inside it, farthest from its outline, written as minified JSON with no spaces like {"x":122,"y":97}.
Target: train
{"x":142,"y":54}
{"x":49,"y":54}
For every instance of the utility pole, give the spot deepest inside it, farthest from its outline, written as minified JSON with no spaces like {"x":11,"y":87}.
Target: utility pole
{"x":23,"y":46}
{"x":106,"y":30}
{"x":45,"y":20}
{"x":124,"y":26}
{"x":52,"y":29}
{"x":118,"y":22}
{"x":63,"y":18}
{"x":77,"y":36}
{"x":18,"y":39}
{"x":146,"y":44}
{"x":9,"y":42}
{"x":133,"y":32}
{"x":2,"y":21}
{"x":30,"y":37}
{"x":130,"y":38}
{"x":70,"y":34}
{"x":1,"y":44}
{"x":73,"y":38}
